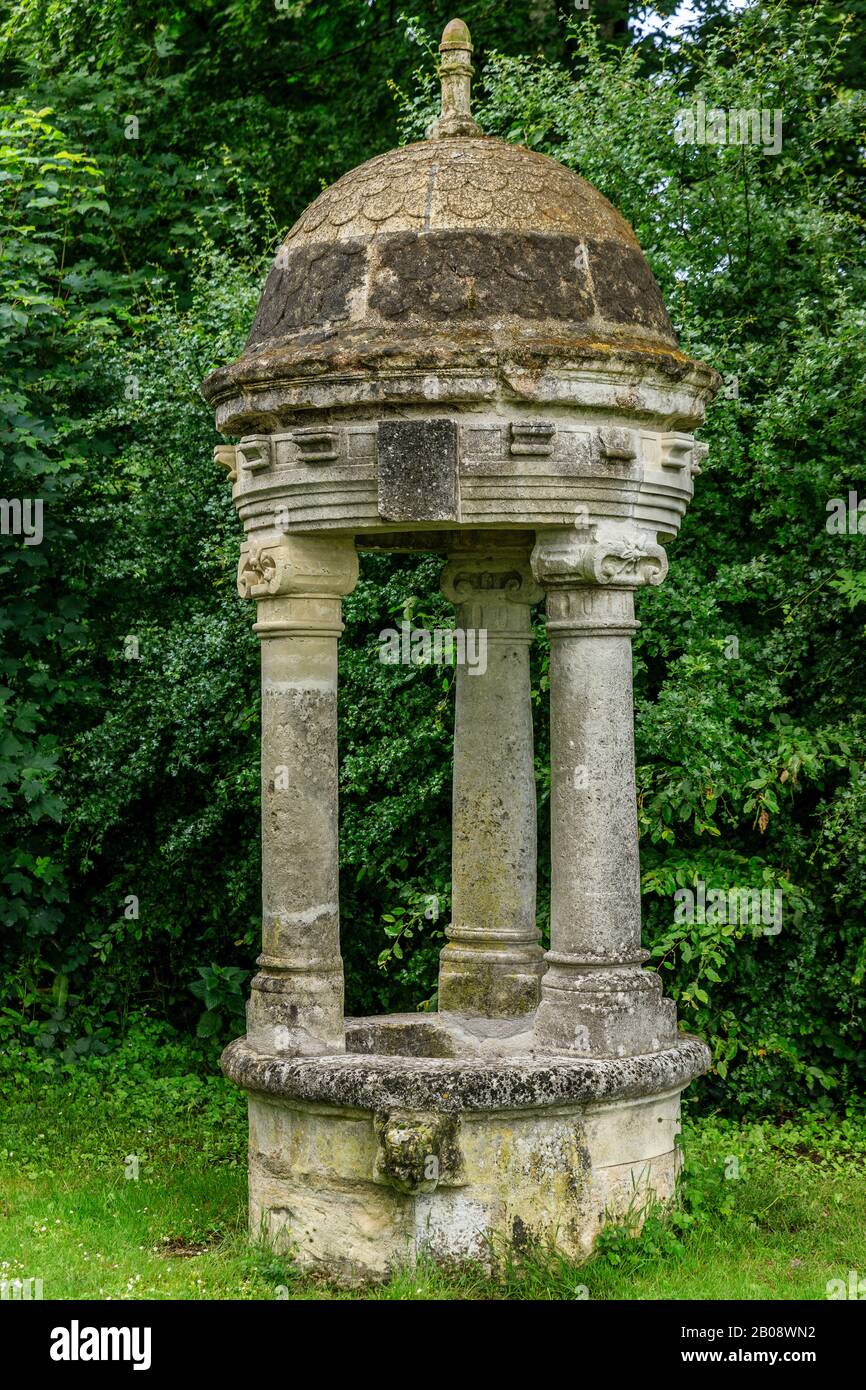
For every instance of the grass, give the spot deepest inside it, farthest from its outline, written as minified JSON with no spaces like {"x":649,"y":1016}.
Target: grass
{"x":771,"y":1210}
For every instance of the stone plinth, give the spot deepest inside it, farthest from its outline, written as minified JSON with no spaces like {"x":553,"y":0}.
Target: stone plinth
{"x":363,"y":1162}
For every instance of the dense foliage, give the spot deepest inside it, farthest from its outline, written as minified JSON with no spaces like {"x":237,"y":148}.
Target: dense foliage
{"x":150,"y":157}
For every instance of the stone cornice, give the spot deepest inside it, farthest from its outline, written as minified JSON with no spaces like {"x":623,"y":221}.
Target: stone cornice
{"x":263,"y":391}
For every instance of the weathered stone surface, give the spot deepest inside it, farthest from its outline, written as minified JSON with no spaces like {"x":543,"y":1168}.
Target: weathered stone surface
{"x":418,"y":470}
{"x":457,"y":182}
{"x":312,"y":285}
{"x":493,"y":961}
{"x":596,"y":1000}
{"x":442,"y":1034}
{"x":296,"y":1003}
{"x":461,"y":227}
{"x":417,"y":1152}
{"x":517,"y":361}
{"x":376,"y":1082}
{"x":448,"y":275}
{"x":510,"y":1179}
{"x":625,"y":287}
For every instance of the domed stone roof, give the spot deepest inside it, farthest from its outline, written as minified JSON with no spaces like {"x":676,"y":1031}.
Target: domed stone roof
{"x":458,"y":251}
{"x":465,"y":231}
{"x":456,"y":184}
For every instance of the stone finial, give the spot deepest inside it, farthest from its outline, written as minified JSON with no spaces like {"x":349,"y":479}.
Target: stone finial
{"x":455,"y":72}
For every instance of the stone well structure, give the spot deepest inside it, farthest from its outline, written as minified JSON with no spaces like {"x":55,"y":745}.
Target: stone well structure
{"x":460,"y":348}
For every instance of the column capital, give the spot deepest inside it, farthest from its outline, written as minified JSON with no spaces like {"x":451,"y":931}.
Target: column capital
{"x":298,"y":566}
{"x":616,"y":556}
{"x":492,"y":591}
{"x":488,"y":581}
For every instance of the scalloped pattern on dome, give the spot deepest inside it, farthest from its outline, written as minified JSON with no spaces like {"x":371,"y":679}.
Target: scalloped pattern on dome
{"x":483,"y":184}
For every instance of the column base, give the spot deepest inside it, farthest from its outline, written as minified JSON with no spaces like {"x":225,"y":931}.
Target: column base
{"x":501,"y":979}
{"x":299,"y":1014}
{"x":604,"y":1012}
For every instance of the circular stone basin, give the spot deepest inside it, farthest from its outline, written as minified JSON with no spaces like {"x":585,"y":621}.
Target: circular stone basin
{"x":362,"y":1162}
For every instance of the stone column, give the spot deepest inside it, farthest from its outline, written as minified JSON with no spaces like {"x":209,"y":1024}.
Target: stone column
{"x":596,"y":1000}
{"x":493,"y":961}
{"x":296,"y":1004}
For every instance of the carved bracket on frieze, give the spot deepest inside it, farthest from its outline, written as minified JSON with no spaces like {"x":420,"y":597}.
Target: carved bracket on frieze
{"x":615,"y":444}
{"x":680,"y":451}
{"x":255,"y":454}
{"x":226,"y":456}
{"x":699,"y":453}
{"x":676,"y":450}
{"x":532,"y":438}
{"x":317,"y":445}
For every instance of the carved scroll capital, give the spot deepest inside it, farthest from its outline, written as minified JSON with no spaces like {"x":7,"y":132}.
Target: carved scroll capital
{"x":624,"y":557}
{"x":301,"y":566}
{"x":506,"y":575}
{"x":493,"y":591}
